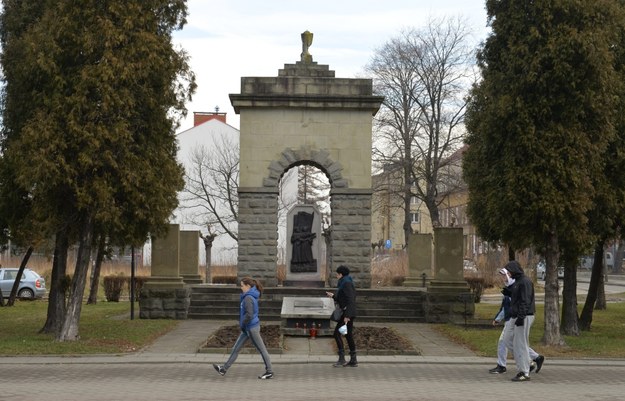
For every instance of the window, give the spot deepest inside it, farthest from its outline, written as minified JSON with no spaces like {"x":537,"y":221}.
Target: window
{"x":414,"y":218}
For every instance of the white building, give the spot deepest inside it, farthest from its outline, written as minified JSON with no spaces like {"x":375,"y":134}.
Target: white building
{"x":209,"y":130}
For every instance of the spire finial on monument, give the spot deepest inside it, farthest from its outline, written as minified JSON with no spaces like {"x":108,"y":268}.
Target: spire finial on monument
{"x":307,"y":39}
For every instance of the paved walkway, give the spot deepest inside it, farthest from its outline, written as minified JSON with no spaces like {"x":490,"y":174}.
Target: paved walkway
{"x":172,"y":369}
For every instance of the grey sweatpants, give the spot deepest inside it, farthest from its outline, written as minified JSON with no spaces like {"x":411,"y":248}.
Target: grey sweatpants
{"x":253,"y":335}
{"x":520,"y":345}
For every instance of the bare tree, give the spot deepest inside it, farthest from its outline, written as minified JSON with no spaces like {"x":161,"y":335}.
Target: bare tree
{"x":211,"y":185}
{"x":210,"y":197}
{"x":424,"y":75}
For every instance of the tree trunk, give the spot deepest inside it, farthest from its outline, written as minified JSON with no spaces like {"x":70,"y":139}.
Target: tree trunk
{"x":69,"y":330}
{"x":585,"y":319}
{"x":569,"y":298}
{"x":407,"y":220}
{"x":618,"y":258}
{"x":20,"y":271}
{"x":58,"y":291}
{"x":430,"y":203}
{"x":551,"y":334}
{"x":601,"y":303}
{"x":95,"y":280}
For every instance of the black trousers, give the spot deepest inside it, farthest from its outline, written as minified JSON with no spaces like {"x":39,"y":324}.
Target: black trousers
{"x":350,"y":337}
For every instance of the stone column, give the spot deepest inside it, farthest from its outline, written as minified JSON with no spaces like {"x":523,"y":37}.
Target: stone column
{"x":448,"y":253}
{"x":165,"y":269}
{"x":448,"y":295}
{"x":164,"y":295}
{"x":258,"y":235}
{"x":351,"y":234}
{"x":420,"y":271}
{"x":190,"y":257}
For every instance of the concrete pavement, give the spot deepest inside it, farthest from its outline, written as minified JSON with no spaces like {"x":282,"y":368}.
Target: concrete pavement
{"x":172,"y":369}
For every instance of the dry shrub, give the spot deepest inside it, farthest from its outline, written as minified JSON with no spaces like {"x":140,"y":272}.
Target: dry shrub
{"x":113,"y":286}
{"x":224,"y":280}
{"x":281,"y":273}
{"x":223,"y":274}
{"x":489,"y":264}
{"x":389,"y":269}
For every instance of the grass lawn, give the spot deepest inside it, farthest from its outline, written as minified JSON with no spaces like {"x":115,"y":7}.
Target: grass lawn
{"x":104,"y":328}
{"x":604,"y":340}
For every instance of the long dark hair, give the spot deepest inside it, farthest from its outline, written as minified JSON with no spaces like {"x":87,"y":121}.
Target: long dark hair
{"x":253,"y":283}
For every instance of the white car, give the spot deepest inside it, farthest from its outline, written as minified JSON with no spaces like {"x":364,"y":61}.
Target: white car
{"x":541,"y":270}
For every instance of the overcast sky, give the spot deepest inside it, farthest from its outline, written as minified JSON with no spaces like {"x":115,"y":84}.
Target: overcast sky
{"x":231,"y":39}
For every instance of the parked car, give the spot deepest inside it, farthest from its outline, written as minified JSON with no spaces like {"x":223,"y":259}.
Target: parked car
{"x":541,"y":270}
{"x":586,"y":262}
{"x":32,"y":285}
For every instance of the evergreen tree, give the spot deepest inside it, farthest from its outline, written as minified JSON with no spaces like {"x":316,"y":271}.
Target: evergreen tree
{"x":102,"y":90}
{"x":539,"y":124}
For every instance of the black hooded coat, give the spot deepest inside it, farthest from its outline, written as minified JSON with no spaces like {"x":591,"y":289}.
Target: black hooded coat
{"x":522,"y":296}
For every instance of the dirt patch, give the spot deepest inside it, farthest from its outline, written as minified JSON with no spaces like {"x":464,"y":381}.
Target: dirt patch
{"x":226,"y":336}
{"x":366,"y":337}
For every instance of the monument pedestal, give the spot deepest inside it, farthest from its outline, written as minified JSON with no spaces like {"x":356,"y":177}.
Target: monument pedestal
{"x":160,"y":282}
{"x":192,"y":279}
{"x":300,"y":314}
{"x":448,"y":301}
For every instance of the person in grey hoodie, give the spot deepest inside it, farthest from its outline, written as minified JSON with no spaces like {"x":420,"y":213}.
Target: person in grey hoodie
{"x":522,"y":310}
{"x":250,"y":328}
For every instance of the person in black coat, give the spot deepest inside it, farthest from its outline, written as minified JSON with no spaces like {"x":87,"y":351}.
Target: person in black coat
{"x":522,"y":309}
{"x":345,"y":296}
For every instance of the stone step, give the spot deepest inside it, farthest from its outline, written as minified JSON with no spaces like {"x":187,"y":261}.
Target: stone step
{"x":374,"y":305}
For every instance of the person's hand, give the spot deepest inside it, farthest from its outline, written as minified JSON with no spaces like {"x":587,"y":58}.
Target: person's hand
{"x":495,"y":323}
{"x":329,"y":294}
{"x":519,"y":321}
{"x":345,"y":319}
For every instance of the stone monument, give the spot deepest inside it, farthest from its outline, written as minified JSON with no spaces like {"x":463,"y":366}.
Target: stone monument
{"x":419,"y":260}
{"x":300,"y":314}
{"x":305,"y":116}
{"x":190,"y":257}
{"x":448,"y":295}
{"x":164,"y":295}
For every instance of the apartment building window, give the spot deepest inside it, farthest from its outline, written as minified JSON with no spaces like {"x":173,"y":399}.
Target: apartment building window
{"x":413,"y":200}
{"x":414,"y":218}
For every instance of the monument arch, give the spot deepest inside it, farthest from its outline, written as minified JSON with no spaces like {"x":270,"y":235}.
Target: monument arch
{"x":305,"y":115}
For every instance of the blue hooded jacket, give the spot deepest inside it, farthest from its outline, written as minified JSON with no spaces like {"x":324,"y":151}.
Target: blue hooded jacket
{"x":248,"y":313}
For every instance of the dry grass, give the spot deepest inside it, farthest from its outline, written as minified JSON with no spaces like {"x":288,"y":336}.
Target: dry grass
{"x":389,"y":271}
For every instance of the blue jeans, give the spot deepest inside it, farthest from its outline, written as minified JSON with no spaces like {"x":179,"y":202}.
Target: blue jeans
{"x":257,"y":341}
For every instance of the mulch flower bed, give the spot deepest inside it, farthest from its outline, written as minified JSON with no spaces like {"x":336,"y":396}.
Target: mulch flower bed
{"x":366,"y":337}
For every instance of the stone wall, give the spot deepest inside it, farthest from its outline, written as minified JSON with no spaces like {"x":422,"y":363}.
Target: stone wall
{"x":258,"y":235}
{"x":351,"y":234}
{"x":164,"y":303}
